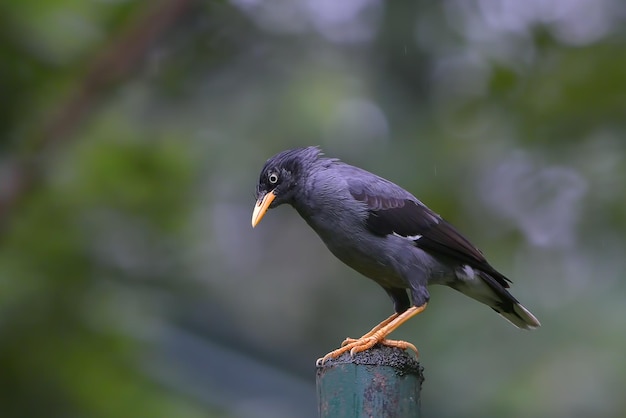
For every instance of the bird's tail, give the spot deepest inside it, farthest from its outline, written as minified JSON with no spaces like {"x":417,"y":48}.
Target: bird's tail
{"x":493,"y":294}
{"x":518,"y":315}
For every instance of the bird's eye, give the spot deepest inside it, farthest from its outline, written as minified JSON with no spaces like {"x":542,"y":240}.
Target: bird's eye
{"x":273,"y":178}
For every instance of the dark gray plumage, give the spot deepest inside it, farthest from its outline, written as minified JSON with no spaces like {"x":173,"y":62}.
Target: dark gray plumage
{"x":383,"y":232}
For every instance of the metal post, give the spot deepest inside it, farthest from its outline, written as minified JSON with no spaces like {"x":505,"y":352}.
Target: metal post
{"x":382,"y":382}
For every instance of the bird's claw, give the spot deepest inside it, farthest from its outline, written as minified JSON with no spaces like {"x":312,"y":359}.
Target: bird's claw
{"x":348,"y":340}
{"x":404,"y":345}
{"x":355,"y":346}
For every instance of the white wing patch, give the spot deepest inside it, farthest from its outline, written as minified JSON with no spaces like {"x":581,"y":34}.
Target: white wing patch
{"x":409,"y":237}
{"x":466,"y":273}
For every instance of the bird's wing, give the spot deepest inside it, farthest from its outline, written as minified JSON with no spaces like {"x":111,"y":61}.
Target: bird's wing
{"x":393,"y":210}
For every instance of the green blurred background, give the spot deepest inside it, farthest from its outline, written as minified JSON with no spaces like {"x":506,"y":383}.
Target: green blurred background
{"x":131,"y":282}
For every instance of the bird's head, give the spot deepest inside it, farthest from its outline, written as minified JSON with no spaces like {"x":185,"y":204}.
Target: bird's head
{"x":281,"y":178}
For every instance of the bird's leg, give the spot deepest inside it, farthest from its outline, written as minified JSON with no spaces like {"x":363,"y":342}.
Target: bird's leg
{"x":372,"y":331}
{"x":378,"y":335}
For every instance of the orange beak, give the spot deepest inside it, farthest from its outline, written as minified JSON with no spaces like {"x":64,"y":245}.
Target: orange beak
{"x":261,"y":207}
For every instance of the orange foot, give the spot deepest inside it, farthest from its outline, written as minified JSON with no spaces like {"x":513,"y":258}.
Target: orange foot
{"x":378,"y":335}
{"x":356,"y":346}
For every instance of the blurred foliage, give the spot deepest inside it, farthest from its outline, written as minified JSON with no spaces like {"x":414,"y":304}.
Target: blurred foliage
{"x":132,"y":285}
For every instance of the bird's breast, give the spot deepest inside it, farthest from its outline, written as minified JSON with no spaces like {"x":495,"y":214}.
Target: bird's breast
{"x":366,"y":253}
{"x":339,"y":220}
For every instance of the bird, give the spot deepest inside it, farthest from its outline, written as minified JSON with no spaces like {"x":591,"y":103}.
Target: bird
{"x":386,"y":234}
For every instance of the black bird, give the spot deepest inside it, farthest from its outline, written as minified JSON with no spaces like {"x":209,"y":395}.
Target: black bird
{"x":385,"y":233}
